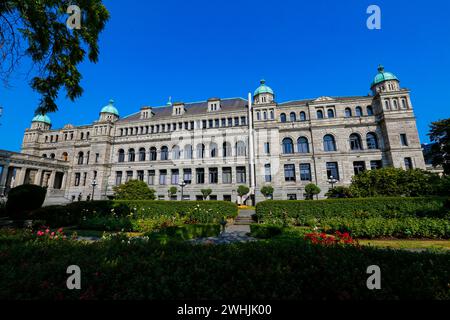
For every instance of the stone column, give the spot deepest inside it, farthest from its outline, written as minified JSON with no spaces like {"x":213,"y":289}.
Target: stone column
{"x":51,"y":183}
{"x":37,"y":178}
{"x":3,"y":179}
{"x":20,"y":177}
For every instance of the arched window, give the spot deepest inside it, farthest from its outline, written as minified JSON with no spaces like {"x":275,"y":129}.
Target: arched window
{"x":355,"y":142}
{"x":141,"y":154}
{"x":226,"y":149}
{"x":319,"y":114}
{"x":213,"y":150}
{"x":121,"y":157}
{"x":153,"y":154}
{"x":302,"y":145}
{"x":283,"y":117}
{"x":82,"y":136}
{"x":359,"y":112}
{"x":369,"y":111}
{"x":387,"y":105}
{"x":80,"y":157}
{"x":329,"y":144}
{"x":188,"y":152}
{"x":52,"y":156}
{"x":164,"y":153}
{"x":241,"y":150}
{"x":404,"y":105}
{"x":87,"y":135}
{"x":372,"y":141}
{"x":271,"y":115}
{"x":131,"y":155}
{"x":395,"y":105}
{"x":292,"y":117}
{"x":44,"y":155}
{"x":175,"y":153}
{"x":65,"y":156}
{"x":348,"y":112}
{"x":258,"y":115}
{"x":330,"y":113}
{"x":200,"y":151}
{"x":302,"y":116}
{"x":288,"y":146}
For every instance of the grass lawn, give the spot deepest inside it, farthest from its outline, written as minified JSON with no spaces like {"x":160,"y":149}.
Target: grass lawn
{"x":408,"y":244}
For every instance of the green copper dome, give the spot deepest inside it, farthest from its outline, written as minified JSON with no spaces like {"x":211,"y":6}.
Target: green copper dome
{"x":42,"y":118}
{"x":110,"y":108}
{"x":383,"y":76}
{"x":263,"y":88}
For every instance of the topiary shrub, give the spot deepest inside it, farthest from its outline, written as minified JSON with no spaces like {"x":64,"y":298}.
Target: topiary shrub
{"x":24,"y":199}
{"x":134,"y":190}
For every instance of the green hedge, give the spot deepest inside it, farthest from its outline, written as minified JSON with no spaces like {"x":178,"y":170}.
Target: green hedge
{"x":189,"y":231}
{"x":24,"y":199}
{"x":194,"y":211}
{"x":265,"y":231}
{"x":289,"y":269}
{"x":380,"y":227}
{"x":300,"y":212}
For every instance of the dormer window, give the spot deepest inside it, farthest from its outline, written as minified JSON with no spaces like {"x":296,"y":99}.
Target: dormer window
{"x":146,"y":113}
{"x":213,"y":104}
{"x":178,"y":109}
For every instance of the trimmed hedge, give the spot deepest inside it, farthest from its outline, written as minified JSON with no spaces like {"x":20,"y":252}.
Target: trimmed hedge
{"x":265,"y":231}
{"x":370,"y":228}
{"x":300,"y":212}
{"x":24,"y":199}
{"x":193,"y":211}
{"x":189,"y":231}
{"x":288,"y":269}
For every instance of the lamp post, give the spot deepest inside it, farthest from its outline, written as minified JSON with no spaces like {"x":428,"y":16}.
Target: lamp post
{"x":332,"y":181}
{"x":182,"y":185}
{"x":93,"y":184}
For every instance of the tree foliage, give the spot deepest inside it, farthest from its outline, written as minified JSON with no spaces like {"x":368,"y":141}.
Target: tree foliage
{"x":243,"y":190}
{"x":267,"y":191}
{"x":134,"y":190}
{"x":206,"y":193}
{"x":311,"y":190}
{"x":38,"y":29}
{"x":25,"y":198}
{"x":339,"y":192}
{"x":440,"y":134}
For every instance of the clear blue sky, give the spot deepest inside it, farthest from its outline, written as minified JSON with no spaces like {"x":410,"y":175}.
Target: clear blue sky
{"x":193,"y":50}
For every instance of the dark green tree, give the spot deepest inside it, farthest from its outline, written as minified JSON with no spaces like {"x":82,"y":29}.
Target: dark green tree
{"x":267,"y":191}
{"x":38,"y":30}
{"x":440,"y":134}
{"x":339,"y":192}
{"x":172,"y":191}
{"x":206,"y":193}
{"x":134,"y":190}
{"x":311,"y":190}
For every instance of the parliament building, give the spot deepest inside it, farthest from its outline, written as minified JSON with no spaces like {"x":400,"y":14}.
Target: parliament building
{"x":220,"y":144}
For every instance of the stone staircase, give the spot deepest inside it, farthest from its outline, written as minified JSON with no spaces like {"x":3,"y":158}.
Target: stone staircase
{"x":243,"y":221}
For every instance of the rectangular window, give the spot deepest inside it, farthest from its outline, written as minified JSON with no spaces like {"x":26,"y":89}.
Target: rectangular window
{"x":77,"y":179}
{"x":187,"y":176}
{"x":289,"y":172}
{"x":140,"y":175}
{"x":305,"y":172}
{"x":403,"y":140}
{"x":84,"y":178}
{"x":292,"y":196}
{"x":267,"y":148}
{"x":236,"y":121}
{"x":267,"y":173}
{"x":118,"y":178}
{"x":243,"y":121}
{"x":226,"y":175}
{"x":151,"y":177}
{"x":224,"y":122}
{"x":408,"y":164}
{"x":204,"y":124}
{"x":359,"y":167}
{"x":200,"y":175}
{"x":129,"y":176}
{"x":241,"y":176}
{"x":210,"y":123}
{"x":213,"y":175}
{"x":175,"y":177}
{"x":97,"y":157}
{"x":216,"y":123}
{"x":230,"y":122}
{"x":332,"y":170}
{"x":376,"y":164}
{"x":162,"y":177}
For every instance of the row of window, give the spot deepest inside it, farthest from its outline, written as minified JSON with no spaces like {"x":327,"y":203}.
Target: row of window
{"x":394,"y":104}
{"x":186,"y":153}
{"x":67,"y":136}
{"x":329,"y":143}
{"x":188,"y":125}
{"x":81,"y":178}
{"x":320,"y":114}
{"x":202,"y":176}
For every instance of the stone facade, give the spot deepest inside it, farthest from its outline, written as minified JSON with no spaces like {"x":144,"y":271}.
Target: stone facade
{"x":223,"y":143}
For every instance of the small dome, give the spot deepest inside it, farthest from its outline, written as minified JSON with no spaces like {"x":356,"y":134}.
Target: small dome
{"x":383,"y":76}
{"x":263,"y":88}
{"x":110,"y":108}
{"x":42,"y":118}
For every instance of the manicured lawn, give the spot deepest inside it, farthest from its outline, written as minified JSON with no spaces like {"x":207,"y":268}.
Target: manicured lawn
{"x":408,"y":244}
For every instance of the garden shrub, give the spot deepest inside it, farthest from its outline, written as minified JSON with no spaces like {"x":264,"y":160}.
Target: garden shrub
{"x":265,"y":231}
{"x":370,"y":228}
{"x":300,"y":212}
{"x":193,"y":211}
{"x":23,"y":199}
{"x":273,"y":270}
{"x":189,"y":231}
